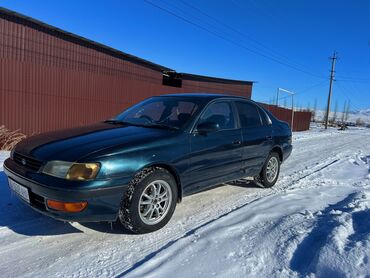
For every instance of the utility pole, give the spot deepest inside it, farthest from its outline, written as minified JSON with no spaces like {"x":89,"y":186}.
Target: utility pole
{"x":333,"y":60}
{"x":292,"y":119}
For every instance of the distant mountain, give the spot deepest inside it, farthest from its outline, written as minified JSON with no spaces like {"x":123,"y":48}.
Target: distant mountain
{"x":364,"y":112}
{"x":364,"y":115}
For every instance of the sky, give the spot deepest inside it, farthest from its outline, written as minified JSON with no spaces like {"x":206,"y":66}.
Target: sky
{"x":285,"y":43}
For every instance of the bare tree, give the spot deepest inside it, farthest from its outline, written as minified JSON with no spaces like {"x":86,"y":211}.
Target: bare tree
{"x":344,"y":111}
{"x":314,"y":110}
{"x":347,"y":110}
{"x":335,"y":112}
{"x":359,"y":122}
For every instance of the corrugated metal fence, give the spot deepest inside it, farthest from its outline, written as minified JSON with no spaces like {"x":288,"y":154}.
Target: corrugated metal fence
{"x":49,"y":83}
{"x":301,"y":119}
{"x":50,"y":79}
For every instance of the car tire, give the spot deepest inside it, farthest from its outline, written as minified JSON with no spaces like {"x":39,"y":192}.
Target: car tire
{"x":149,"y":202}
{"x":270,"y":171}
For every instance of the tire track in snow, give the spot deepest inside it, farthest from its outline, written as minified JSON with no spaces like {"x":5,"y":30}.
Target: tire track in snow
{"x":233,"y":204}
{"x":309,"y":167}
{"x":193,"y":230}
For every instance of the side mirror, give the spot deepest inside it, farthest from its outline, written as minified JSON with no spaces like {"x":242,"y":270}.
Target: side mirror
{"x":207,"y":127}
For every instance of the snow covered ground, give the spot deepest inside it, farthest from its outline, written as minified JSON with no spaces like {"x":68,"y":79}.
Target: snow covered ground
{"x":314,"y":222}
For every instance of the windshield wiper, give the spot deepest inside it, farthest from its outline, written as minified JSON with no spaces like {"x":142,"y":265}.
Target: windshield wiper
{"x":160,"y":125}
{"x":114,"y":121}
{"x":155,"y":125}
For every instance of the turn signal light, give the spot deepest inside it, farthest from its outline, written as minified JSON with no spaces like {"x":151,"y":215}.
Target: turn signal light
{"x":66,"y":207}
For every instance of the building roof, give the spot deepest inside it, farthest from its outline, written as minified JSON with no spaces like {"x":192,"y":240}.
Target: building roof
{"x":54,"y":31}
{"x":195,"y":77}
{"x":202,"y":95}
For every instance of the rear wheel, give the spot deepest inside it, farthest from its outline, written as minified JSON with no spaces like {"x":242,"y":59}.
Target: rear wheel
{"x":150,"y":201}
{"x":270,"y":171}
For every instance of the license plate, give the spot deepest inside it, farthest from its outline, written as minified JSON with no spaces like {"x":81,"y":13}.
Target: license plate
{"x":20,"y":190}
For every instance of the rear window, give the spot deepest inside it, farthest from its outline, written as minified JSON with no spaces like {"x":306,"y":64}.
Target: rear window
{"x":264,"y":117}
{"x":248,"y":115}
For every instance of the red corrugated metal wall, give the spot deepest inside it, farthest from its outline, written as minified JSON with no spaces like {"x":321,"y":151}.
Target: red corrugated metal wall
{"x":48,"y":83}
{"x":301,"y":119}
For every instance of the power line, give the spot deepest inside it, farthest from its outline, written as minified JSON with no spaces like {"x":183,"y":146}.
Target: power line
{"x":241,"y":34}
{"x":229,"y":40}
{"x":301,"y":91}
{"x":307,"y":89}
{"x":272,"y":17}
{"x":344,"y":90}
{"x":354,"y":80}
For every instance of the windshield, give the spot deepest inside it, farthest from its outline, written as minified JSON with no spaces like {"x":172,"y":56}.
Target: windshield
{"x":171,"y":112}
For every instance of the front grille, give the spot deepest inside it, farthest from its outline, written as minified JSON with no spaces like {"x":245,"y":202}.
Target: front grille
{"x":26,"y":161}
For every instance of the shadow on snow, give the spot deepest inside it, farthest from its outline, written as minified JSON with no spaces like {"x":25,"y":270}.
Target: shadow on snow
{"x":24,"y":220}
{"x":21,"y":219}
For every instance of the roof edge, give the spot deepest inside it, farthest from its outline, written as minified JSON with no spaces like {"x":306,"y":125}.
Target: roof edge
{"x":73,"y":38}
{"x":62,"y":34}
{"x":203,"y":78}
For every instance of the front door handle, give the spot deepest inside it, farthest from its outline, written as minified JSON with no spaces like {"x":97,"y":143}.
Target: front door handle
{"x":269,"y":137}
{"x":237,"y":143}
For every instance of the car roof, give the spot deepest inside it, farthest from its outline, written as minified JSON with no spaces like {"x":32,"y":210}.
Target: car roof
{"x":203,"y":96}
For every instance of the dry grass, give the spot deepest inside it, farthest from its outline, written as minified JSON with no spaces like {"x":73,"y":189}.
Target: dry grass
{"x":8,"y":139}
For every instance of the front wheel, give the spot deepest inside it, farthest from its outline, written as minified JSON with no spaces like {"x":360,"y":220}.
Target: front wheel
{"x":270,"y":171}
{"x":150,"y":201}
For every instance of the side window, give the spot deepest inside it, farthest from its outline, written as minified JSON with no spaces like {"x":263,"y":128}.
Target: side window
{"x":265,"y":118}
{"x":248,"y":115}
{"x":220,"y":113}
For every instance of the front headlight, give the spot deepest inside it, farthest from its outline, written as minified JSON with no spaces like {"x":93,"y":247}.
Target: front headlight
{"x":83,"y":171}
{"x":72,"y":171}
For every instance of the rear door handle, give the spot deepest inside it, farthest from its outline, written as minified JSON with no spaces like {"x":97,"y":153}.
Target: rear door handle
{"x":269,"y":137}
{"x":236,"y":142}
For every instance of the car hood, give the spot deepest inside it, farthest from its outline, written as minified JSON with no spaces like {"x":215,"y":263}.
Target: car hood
{"x":77,"y":143}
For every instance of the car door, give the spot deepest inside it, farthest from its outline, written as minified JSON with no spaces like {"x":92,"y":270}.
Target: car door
{"x":215,"y":156}
{"x":256,"y":137}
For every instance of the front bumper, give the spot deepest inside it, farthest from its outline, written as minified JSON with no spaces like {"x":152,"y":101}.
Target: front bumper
{"x":103,"y":203}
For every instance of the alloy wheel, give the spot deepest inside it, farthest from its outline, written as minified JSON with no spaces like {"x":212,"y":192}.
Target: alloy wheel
{"x":155,"y":202}
{"x":272,"y":169}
